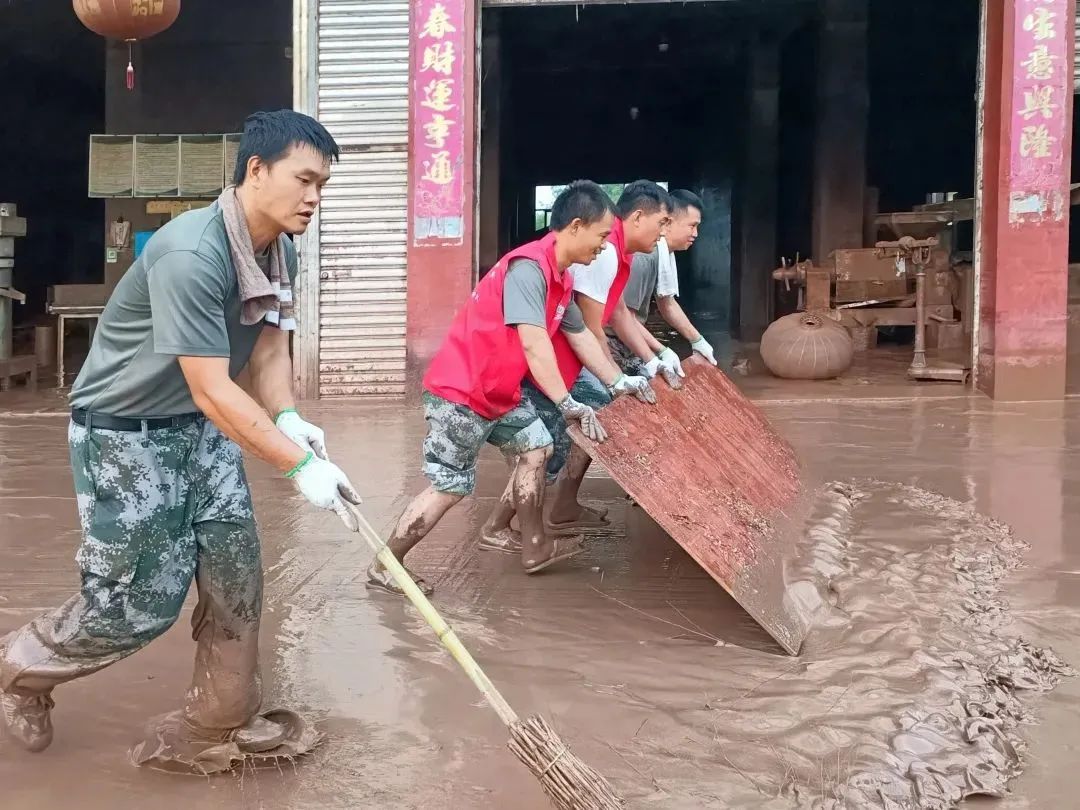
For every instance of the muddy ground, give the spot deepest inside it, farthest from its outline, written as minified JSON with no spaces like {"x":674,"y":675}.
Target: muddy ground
{"x":639,"y":659}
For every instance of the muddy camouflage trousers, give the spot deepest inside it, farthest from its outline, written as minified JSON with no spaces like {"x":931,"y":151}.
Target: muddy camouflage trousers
{"x":588,"y":390}
{"x":456,"y":435}
{"x":158,"y":509}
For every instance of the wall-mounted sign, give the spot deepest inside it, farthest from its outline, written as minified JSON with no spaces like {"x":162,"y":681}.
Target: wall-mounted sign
{"x":112,"y":166}
{"x":202,"y":165}
{"x":232,"y":149}
{"x":1042,"y":76}
{"x":161,"y":166}
{"x":438,"y":100}
{"x":157,"y":165}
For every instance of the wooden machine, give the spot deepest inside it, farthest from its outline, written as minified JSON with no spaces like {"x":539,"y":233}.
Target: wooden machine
{"x":917,"y":280}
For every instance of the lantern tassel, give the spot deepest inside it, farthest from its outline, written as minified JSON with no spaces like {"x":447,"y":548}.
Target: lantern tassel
{"x":130,"y":70}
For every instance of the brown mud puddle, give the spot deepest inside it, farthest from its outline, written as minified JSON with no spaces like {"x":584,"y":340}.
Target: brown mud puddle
{"x":914,"y":689}
{"x":910,"y":692}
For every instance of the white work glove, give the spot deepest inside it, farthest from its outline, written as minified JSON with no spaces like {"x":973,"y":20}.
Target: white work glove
{"x":666,"y":364}
{"x":702,"y":347}
{"x":570,"y":408}
{"x":638,"y":386}
{"x":304,"y":434}
{"x":671,"y":361}
{"x":325,"y":486}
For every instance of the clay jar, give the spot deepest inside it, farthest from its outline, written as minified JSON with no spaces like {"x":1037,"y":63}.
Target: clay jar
{"x":807,"y":346}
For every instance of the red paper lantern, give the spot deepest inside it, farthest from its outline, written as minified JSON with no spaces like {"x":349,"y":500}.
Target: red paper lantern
{"x":129,"y":20}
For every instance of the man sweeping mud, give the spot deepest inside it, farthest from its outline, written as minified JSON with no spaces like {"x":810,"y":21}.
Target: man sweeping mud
{"x":157,"y":427}
{"x":472,"y":390}
{"x":642,"y":213}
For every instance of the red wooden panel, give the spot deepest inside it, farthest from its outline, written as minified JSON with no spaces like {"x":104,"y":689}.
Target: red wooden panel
{"x":707,"y":466}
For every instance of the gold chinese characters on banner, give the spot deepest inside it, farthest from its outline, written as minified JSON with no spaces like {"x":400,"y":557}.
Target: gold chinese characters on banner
{"x":438,"y":138}
{"x":1042,"y":81}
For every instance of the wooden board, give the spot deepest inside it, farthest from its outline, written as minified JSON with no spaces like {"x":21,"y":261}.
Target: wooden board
{"x":706,"y":465}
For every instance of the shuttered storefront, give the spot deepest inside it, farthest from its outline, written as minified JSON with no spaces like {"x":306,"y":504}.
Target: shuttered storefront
{"x":1076,"y":55}
{"x":363,"y":82}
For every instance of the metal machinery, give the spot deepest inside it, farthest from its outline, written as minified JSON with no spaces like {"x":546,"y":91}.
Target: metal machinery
{"x":918,"y":253}
{"x":11,"y":226}
{"x":867,"y":288}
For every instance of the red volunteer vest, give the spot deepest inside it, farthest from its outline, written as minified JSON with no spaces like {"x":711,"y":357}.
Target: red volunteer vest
{"x":569,"y":365}
{"x":481,"y":363}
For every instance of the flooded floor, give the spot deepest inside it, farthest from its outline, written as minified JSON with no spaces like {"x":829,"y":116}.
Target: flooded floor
{"x":643,"y":664}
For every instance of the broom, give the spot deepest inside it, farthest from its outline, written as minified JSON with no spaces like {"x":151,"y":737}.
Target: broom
{"x":568,"y":782}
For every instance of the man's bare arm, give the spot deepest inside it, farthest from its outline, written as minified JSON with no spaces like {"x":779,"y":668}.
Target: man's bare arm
{"x":236,"y":414}
{"x":271,"y":371}
{"x":593,"y":357}
{"x":630,"y":331}
{"x":672,"y":313}
{"x":540,"y":355}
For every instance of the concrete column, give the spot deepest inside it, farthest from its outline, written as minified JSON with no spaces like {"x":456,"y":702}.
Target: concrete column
{"x":757,"y":227}
{"x":842,"y":115}
{"x":1022,"y":229}
{"x":442,"y":173}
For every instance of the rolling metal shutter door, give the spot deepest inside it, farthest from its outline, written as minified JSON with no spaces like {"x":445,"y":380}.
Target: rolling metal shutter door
{"x":1076,"y":56}
{"x":363,"y":86}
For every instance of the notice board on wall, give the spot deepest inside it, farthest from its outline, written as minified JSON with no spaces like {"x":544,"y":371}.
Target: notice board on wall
{"x":193,"y":166}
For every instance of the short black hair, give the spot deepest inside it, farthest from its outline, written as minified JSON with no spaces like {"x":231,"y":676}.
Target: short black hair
{"x":582,"y":199}
{"x":683,"y":200}
{"x":270,"y":135}
{"x":642,"y":195}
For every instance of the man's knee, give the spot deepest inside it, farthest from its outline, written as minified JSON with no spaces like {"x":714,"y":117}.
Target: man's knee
{"x":532,"y":459}
{"x":448,"y":499}
{"x":128,"y":615}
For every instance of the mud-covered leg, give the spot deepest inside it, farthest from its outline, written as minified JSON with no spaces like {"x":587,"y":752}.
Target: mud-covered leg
{"x":496,"y":534}
{"x":538,"y":549}
{"x":568,"y":516}
{"x":418,"y":519}
{"x":528,"y":487}
{"x":565,"y":508}
{"x":226,"y":690}
{"x":135,"y":573}
{"x":451,"y":447}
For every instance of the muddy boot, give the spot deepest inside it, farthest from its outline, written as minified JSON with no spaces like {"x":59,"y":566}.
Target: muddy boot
{"x":28,"y":720}
{"x":260,"y":735}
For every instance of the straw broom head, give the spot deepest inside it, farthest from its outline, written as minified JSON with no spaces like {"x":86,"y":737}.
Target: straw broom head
{"x":568,"y":782}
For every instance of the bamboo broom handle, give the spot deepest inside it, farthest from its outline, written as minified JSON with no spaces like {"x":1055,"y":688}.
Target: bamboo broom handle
{"x":446,"y":635}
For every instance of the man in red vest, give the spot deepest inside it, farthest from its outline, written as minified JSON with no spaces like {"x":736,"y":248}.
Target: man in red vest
{"x":642,"y":212}
{"x":472,"y":390}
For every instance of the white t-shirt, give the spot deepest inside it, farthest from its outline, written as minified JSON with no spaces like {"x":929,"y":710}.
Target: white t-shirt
{"x":667,"y":277}
{"x":595,"y":280}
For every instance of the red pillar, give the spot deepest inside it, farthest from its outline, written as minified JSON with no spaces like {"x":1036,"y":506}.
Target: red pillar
{"x":1023,"y":228}
{"x":442,"y":172}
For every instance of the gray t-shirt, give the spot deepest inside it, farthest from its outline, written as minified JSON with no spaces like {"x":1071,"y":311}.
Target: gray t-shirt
{"x":180,"y":298}
{"x":644,"y":272}
{"x":525,"y":299}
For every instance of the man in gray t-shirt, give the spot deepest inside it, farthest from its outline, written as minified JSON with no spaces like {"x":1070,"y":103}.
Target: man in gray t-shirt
{"x":654,"y":275}
{"x":525,"y":299}
{"x":157,"y":424}
{"x":179,"y":299}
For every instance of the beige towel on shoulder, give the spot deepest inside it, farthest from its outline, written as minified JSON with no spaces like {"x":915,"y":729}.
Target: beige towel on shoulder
{"x":261,"y":297}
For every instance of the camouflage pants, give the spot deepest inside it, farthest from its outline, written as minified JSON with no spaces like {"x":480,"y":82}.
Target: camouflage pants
{"x":587,"y":390}
{"x":629,"y":362}
{"x":456,"y":434}
{"x":158,"y":509}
